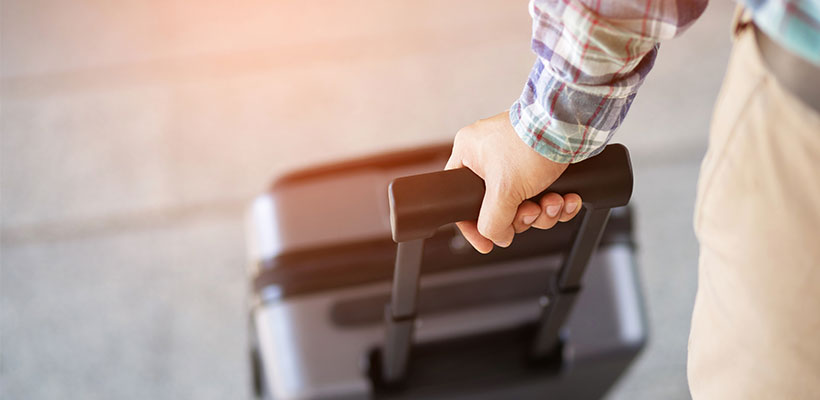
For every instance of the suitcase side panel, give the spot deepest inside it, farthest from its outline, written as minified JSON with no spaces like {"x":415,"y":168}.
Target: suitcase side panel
{"x":306,"y":355}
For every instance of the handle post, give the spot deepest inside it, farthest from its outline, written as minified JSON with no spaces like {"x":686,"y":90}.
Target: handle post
{"x":400,"y":314}
{"x":567,"y":283}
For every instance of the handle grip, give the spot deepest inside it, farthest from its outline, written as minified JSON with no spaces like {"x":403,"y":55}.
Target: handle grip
{"x":420,"y":204}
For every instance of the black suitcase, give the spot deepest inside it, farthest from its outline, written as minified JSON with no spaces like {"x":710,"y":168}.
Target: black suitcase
{"x":328,"y":323}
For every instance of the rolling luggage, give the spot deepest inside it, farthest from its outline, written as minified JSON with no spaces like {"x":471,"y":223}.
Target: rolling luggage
{"x":340,"y":311}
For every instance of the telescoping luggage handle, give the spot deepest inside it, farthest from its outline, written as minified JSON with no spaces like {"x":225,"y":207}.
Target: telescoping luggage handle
{"x":420,"y":204}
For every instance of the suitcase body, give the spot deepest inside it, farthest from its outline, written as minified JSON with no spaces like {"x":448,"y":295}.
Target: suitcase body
{"x":321,"y":263}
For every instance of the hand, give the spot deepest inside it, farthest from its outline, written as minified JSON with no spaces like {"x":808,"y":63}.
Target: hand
{"x":512,"y":172}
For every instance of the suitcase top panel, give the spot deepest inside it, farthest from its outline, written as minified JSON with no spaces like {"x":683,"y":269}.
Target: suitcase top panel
{"x":334,"y":204}
{"x":391,"y":160}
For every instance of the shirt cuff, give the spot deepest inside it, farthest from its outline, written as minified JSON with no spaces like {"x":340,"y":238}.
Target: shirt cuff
{"x":566,"y":122}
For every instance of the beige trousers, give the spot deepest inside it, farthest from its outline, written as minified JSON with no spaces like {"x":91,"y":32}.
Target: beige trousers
{"x":756,"y":322}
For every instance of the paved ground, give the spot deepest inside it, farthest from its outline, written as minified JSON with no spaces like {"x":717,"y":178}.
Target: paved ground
{"x":135,"y":132}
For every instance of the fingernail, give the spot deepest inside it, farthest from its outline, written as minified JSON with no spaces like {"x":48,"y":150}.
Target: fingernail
{"x":571,"y":207}
{"x":552,"y":211}
{"x":529,"y":219}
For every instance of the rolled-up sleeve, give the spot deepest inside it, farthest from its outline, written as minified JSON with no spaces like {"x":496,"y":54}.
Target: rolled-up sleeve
{"x":592,"y":56}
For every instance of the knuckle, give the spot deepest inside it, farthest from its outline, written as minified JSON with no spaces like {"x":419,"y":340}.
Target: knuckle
{"x":461,"y":134}
{"x":492,"y":232}
{"x":486,"y":229}
{"x":503,"y":190}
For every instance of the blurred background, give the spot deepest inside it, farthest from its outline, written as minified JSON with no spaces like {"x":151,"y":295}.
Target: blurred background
{"x":135,"y":133}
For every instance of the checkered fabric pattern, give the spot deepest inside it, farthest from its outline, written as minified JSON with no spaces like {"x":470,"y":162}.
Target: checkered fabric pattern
{"x":795,"y":24}
{"x":593,"y":56}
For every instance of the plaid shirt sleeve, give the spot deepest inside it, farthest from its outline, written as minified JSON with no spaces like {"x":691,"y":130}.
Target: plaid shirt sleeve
{"x":593,"y":56}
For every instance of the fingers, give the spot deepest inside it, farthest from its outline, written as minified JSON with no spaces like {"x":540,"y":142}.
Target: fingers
{"x":551,"y":205}
{"x":572,"y":205}
{"x":470,"y":231}
{"x":550,"y":209}
{"x":555,"y":208}
{"x":527,"y":213}
{"x":495,"y":219}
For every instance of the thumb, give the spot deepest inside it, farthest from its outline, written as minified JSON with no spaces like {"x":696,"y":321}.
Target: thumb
{"x":455,"y":160}
{"x":495,"y":219}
